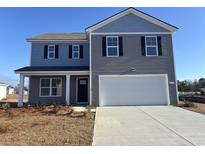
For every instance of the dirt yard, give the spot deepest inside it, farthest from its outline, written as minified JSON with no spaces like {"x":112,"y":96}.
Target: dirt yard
{"x":45,"y":126}
{"x":13,"y":98}
{"x":196,"y":107}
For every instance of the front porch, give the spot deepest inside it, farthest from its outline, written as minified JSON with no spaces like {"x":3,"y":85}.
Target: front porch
{"x":68,"y":86}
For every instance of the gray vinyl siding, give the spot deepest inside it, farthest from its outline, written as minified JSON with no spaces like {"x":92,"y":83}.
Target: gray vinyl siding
{"x":132,"y":58}
{"x":130,"y":23}
{"x":34,"y":91}
{"x":37,"y":55}
{"x":73,"y":90}
{"x":34,"y":87}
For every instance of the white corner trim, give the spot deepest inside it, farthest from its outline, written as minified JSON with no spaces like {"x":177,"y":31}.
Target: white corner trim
{"x":90,"y":63}
{"x":176,"y":83}
{"x":137,"y":13}
{"x":31,"y":46}
{"x":167,"y":88}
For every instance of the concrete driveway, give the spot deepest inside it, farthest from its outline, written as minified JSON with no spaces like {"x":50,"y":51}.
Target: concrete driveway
{"x":155,"y":125}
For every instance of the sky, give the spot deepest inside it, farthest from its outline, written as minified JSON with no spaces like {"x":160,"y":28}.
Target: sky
{"x":17,"y":24}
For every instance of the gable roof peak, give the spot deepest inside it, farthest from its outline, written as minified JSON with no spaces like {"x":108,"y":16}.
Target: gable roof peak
{"x":136,"y":12}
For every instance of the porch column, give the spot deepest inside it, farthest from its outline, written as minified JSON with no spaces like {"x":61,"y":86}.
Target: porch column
{"x":67,"y":89}
{"x":21,"y":91}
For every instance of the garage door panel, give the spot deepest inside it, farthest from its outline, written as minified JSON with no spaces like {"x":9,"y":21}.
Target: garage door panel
{"x":132,"y":90}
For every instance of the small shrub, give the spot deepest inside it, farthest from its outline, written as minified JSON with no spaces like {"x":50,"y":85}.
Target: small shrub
{"x":188,"y":104}
{"x":6,"y":106}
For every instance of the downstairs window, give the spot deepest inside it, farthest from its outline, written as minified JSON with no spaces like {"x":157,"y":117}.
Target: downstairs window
{"x":50,"y":87}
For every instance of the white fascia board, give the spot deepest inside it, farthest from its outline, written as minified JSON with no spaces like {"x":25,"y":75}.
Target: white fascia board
{"x":103,"y":23}
{"x":154,"y":21}
{"x":137,"y":13}
{"x":48,"y":40}
{"x":132,"y":33}
{"x":54,"y":73}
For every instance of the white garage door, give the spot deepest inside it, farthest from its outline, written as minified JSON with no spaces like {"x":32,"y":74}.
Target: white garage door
{"x":133,"y":90}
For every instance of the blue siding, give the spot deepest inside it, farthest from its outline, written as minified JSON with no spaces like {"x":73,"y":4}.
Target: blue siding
{"x":130,"y":23}
{"x":37,"y":55}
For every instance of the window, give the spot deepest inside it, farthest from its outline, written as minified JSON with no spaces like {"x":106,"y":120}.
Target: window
{"x":45,"y":87}
{"x":51,"y":51}
{"x":112,"y":46}
{"x":83,"y":82}
{"x":151,"y":46}
{"x":75,"y":51}
{"x":50,"y":87}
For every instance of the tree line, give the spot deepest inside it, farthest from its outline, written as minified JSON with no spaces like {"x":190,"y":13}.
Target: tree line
{"x":191,"y":86}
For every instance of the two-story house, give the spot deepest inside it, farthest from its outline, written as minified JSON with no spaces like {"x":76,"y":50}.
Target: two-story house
{"x":126,"y":59}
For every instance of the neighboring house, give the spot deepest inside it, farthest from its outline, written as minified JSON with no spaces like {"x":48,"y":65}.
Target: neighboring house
{"x":25,"y":92}
{"x":126,"y":59}
{"x":3,"y":90}
{"x":10,"y":90}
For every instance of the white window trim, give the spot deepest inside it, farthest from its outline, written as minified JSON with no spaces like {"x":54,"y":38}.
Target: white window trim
{"x":112,"y":46}
{"x":51,"y":51}
{"x":75,"y":52}
{"x":156,"y":46}
{"x":50,"y":88}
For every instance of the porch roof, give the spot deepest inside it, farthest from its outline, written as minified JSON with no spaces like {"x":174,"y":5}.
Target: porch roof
{"x":51,"y":68}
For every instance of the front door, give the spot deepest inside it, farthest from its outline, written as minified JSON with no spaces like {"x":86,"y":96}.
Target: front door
{"x":82,"y":90}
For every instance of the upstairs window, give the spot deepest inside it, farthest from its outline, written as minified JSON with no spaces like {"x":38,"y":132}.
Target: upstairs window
{"x":75,"y":52}
{"x":51,"y":51}
{"x":151,"y":46}
{"x":112,"y":43}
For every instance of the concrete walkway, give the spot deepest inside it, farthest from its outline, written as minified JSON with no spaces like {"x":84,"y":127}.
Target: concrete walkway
{"x":156,"y":125}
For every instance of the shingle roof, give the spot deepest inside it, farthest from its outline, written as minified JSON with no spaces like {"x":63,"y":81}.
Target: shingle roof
{"x":1,"y":83}
{"x":53,"y":68}
{"x":59,"y":36}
